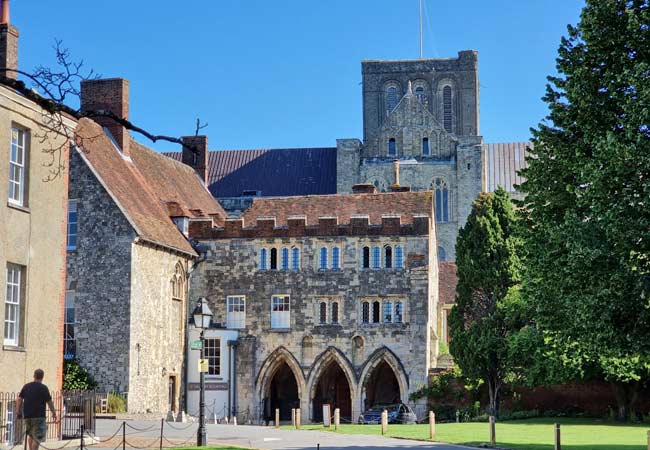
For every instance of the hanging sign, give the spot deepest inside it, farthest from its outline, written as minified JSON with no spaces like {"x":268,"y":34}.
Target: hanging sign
{"x":203,"y":365}
{"x":196,"y":345}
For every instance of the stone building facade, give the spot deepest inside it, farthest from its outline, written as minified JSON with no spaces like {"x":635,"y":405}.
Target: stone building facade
{"x":129,"y":256}
{"x":334,"y":298}
{"x":32,"y":238}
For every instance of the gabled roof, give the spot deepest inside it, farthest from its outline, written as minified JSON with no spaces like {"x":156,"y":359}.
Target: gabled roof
{"x":271,"y":172}
{"x":343,"y":206}
{"x":143,"y":185}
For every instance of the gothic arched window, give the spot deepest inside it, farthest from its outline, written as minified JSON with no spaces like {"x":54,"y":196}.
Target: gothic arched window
{"x":274,"y":258}
{"x":285,"y":258}
{"x":334,"y":317}
{"x":399,"y":257}
{"x":263,"y":256}
{"x":392,"y":147}
{"x":391,"y":98}
{"x":376,"y":311}
{"x":447,"y":109}
{"x":365,"y":312}
{"x":323,"y":313}
{"x":295,"y":258}
{"x":336,"y":258}
{"x":366,"y":258}
{"x":442,"y":200}
{"x":323,"y":258}
{"x":388,"y":257}
{"x":442,"y":254}
{"x":419,"y":93}
{"x":376,"y":258}
{"x":178,"y":283}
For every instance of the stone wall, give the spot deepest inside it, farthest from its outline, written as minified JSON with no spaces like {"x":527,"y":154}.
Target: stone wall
{"x":307,"y":346}
{"x":99,"y":273}
{"x":348,"y":153}
{"x":157,"y":329}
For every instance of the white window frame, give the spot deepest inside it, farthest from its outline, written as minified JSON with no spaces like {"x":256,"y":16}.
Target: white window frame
{"x":15,"y":291}
{"x":383,"y":308}
{"x":235,"y":319}
{"x":72,"y":208}
{"x":281,"y":318}
{"x":19,"y":164}
{"x":216,"y":368}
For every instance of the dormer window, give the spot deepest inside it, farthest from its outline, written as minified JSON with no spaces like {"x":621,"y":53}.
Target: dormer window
{"x":183,"y":224}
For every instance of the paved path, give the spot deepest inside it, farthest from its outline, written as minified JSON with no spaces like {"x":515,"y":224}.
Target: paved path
{"x":141,"y":434}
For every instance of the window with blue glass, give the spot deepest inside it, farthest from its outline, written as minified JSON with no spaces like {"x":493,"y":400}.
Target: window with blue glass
{"x":442,"y":254}
{"x":392,"y":147}
{"x":285,"y":258}
{"x":391,"y":98}
{"x":376,"y":258}
{"x":426,"y":151}
{"x":442,"y":200}
{"x":323,"y":258}
{"x":295,"y":258}
{"x":263,"y":257}
{"x":336,"y":258}
{"x":399,"y":257}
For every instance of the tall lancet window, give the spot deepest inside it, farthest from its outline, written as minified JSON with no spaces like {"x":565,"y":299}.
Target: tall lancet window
{"x":391,"y":98}
{"x":442,"y":200}
{"x":392,"y":147}
{"x":426,"y":150}
{"x":447,"y":110}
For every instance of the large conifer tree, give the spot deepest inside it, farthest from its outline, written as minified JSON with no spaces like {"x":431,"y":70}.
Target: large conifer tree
{"x":588,"y":200}
{"x":485,"y":319}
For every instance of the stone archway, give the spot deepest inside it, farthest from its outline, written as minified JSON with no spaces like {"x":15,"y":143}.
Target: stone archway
{"x":332,"y":381}
{"x":383,"y":380}
{"x":280,"y":384}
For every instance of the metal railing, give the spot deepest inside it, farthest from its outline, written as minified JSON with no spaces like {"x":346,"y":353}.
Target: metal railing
{"x":76,"y":410}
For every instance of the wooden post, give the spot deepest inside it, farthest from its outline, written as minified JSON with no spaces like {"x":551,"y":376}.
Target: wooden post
{"x":297,"y":418}
{"x":337,"y":418}
{"x":277,"y":417}
{"x":432,"y":425}
{"x":558,"y":443}
{"x":162,"y":428}
{"x":384,"y":422}
{"x":648,"y":440}
{"x":493,"y":431}
{"x":293,"y":417}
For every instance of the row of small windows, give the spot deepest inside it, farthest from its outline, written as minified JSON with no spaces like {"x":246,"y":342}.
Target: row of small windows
{"x":382,"y":257}
{"x":330,"y":258}
{"x":392,"y":147}
{"x":290,"y":258}
{"x":328,"y":312}
{"x":392,"y":99}
{"x":386,"y":311}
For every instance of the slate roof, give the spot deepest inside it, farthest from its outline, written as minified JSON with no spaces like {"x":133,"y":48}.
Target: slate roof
{"x":144,"y":186}
{"x":447,"y":281}
{"x":503,"y":160}
{"x":344,"y":206}
{"x":272,"y":172}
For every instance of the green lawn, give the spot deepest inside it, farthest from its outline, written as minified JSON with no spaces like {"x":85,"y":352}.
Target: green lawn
{"x":530,"y":434}
{"x":209,"y":448}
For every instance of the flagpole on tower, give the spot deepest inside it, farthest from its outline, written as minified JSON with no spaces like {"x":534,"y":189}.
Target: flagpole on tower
{"x":420,"y":29}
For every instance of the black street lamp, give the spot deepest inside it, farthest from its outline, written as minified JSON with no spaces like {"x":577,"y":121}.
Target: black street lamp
{"x":202,"y":319}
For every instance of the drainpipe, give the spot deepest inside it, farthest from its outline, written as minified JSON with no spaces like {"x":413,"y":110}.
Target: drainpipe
{"x":232,"y":380}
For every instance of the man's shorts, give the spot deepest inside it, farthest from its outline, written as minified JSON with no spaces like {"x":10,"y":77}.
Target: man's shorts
{"x":36,"y":428}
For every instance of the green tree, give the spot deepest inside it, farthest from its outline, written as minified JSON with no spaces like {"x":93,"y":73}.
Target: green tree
{"x":76,"y":378}
{"x":587,"y":203}
{"x":486,"y":318}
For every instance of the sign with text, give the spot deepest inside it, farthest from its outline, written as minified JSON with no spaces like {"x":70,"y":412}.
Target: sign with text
{"x":208,"y":386}
{"x":196,"y":345}
{"x":203,"y":365}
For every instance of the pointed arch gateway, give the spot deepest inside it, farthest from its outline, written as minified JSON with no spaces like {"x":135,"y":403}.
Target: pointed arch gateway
{"x":280,"y":384}
{"x":383,"y":380}
{"x":332,"y":381}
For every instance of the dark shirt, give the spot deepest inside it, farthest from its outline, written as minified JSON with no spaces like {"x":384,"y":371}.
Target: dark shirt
{"x":35,"y":396}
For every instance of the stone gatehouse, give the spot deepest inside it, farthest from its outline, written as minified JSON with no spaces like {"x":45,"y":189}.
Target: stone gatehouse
{"x":334,"y":299}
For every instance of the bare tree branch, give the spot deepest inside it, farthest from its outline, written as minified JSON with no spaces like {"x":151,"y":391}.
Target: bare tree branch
{"x":51,"y":89}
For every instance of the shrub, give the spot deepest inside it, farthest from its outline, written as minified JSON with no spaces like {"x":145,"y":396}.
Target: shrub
{"x":116,"y":403}
{"x":76,"y":378}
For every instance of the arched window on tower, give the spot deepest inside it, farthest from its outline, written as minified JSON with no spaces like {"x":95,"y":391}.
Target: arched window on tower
{"x":419,"y":93}
{"x":426,"y":150}
{"x":392,"y":147}
{"x":442,"y":200}
{"x":447,"y":109}
{"x":391,"y":99}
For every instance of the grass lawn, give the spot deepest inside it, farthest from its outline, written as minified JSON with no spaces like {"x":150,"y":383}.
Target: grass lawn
{"x":529,"y":434}
{"x":209,"y":448}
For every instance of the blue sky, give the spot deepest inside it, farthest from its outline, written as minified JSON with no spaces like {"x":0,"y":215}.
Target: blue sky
{"x":287,"y":73}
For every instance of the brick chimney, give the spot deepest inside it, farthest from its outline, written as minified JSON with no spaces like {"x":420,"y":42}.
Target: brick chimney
{"x":195,"y":154}
{"x":8,"y":43}
{"x":110,"y":94}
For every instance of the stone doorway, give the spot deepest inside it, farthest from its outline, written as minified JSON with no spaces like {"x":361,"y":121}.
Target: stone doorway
{"x":283,"y":392}
{"x":333,"y":389}
{"x":382,"y":387}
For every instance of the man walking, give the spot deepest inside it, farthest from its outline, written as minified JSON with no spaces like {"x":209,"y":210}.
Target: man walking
{"x":30,"y":406}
